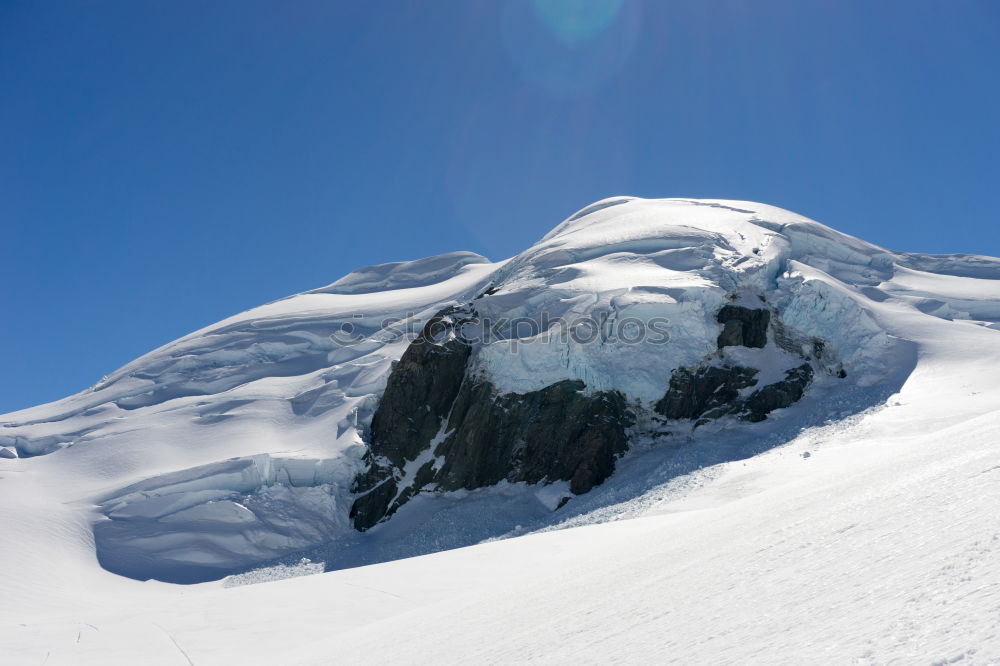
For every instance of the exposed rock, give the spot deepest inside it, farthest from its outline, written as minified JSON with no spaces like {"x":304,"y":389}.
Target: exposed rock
{"x":380,"y":489}
{"x":480,"y":437}
{"x":557,"y":433}
{"x":428,"y":376}
{"x":705,"y":390}
{"x":743,"y":327}
{"x":732,"y":334}
{"x":441,"y":427}
{"x":709,"y":392}
{"x":417,"y":400}
{"x":778,"y":395}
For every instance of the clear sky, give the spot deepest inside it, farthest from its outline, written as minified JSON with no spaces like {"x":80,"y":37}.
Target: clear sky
{"x":166,"y":164}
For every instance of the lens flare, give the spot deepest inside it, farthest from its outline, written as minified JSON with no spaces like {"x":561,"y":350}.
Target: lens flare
{"x":570,"y":48}
{"x":574,"y":22}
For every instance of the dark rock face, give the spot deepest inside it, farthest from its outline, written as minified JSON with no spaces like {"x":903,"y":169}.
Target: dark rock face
{"x":780,"y":394}
{"x":428,"y":375}
{"x":555,"y":434}
{"x":743,"y":327}
{"x":715,"y":389}
{"x":417,"y":399}
{"x":709,"y":391}
{"x":439,"y":427}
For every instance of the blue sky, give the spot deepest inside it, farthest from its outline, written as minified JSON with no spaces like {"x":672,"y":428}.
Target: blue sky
{"x":166,"y":164}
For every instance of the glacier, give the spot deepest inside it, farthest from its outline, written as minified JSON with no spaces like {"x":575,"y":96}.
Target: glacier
{"x":233,"y":450}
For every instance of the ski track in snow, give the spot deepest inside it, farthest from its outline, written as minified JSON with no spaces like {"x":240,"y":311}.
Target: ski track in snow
{"x":856,"y":527}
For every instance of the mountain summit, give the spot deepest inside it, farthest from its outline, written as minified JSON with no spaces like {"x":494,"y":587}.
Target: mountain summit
{"x":416,"y":406}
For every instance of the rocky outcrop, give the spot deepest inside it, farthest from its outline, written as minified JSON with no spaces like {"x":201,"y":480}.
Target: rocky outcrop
{"x":743,"y":327}
{"x":417,"y":399}
{"x":422,"y":387}
{"x":440,"y":428}
{"x":717,"y":388}
{"x":778,"y":395}
{"x":707,"y":391}
{"x":557,"y":433}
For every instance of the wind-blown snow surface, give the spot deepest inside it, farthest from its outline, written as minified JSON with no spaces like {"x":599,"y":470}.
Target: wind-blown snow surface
{"x":236,"y":445}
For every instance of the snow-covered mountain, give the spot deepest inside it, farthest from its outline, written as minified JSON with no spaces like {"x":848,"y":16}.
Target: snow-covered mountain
{"x":799,"y":426}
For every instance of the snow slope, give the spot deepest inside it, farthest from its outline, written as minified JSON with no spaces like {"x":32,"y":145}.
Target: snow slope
{"x":236,"y":445}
